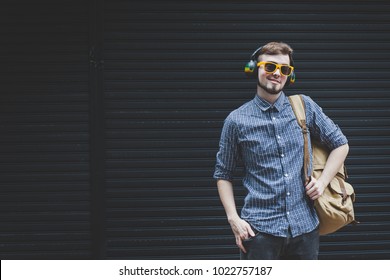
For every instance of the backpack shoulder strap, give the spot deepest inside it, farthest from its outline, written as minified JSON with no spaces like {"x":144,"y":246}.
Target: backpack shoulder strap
{"x":298,"y":106}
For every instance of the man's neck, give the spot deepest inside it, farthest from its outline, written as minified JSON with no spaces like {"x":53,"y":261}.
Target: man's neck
{"x":270,"y":98}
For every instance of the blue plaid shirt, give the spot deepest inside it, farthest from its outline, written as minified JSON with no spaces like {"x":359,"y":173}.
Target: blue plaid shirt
{"x":269,"y":141}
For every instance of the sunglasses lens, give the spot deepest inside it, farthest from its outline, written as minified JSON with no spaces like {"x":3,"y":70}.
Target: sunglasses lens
{"x":269,"y":67}
{"x":286,"y":70}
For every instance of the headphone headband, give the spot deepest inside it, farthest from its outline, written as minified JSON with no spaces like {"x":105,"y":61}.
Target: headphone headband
{"x":255,"y":54}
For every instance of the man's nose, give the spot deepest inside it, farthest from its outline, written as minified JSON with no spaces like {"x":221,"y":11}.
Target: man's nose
{"x":277,"y":72}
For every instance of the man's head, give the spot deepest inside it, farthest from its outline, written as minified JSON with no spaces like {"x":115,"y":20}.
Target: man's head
{"x":272,"y":65}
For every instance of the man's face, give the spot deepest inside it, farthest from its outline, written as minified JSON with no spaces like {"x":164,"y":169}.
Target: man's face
{"x":272,"y":83}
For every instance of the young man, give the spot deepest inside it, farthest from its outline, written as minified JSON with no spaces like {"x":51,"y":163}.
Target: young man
{"x":278,"y":219}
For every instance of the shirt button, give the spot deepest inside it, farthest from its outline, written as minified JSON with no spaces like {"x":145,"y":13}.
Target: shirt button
{"x":288,"y":213}
{"x":273,"y":118}
{"x":282,"y":155}
{"x":285,"y":175}
{"x":278,"y":137}
{"x":288,"y":193}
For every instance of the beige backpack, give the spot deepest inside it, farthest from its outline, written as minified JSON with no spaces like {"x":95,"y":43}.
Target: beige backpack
{"x":335,"y":206}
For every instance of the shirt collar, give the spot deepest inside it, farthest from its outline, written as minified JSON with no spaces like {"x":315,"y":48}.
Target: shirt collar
{"x":265,"y":105}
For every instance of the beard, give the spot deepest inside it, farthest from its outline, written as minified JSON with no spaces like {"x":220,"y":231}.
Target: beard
{"x":271,"y":88}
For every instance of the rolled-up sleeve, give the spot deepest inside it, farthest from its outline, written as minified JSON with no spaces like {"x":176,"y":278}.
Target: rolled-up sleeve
{"x":227,"y":155}
{"x":323,"y":128}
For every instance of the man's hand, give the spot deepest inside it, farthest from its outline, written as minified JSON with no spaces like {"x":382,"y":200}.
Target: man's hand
{"x":315,"y":188}
{"x":242,"y":230}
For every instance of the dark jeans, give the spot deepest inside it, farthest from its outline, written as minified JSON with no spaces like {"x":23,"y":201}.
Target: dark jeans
{"x":268,"y":247}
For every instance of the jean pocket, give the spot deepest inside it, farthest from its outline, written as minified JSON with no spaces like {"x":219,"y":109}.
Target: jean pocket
{"x":247,"y":241}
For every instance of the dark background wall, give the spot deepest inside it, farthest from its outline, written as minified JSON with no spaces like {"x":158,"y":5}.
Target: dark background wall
{"x":110,"y":115}
{"x":44,"y":130}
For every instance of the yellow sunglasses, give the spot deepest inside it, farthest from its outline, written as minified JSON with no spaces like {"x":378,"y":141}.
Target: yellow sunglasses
{"x":271,"y":67}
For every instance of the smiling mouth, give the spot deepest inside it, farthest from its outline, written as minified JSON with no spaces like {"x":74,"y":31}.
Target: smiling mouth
{"x":274,"y":81}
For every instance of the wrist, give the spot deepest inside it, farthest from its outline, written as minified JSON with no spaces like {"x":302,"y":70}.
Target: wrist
{"x":232,"y":217}
{"x":323,"y":183}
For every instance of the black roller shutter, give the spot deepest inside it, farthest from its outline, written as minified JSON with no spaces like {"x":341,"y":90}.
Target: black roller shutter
{"x":44,"y":134}
{"x":173,"y":72}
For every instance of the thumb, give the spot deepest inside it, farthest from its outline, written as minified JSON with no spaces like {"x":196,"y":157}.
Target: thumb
{"x":308,"y":179}
{"x":250,"y":231}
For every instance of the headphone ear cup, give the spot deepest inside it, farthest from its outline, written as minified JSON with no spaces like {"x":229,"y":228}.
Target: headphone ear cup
{"x":291,"y":79}
{"x":251,"y":69}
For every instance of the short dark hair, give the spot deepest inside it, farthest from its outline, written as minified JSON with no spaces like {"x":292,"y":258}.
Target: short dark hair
{"x":273,"y":48}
